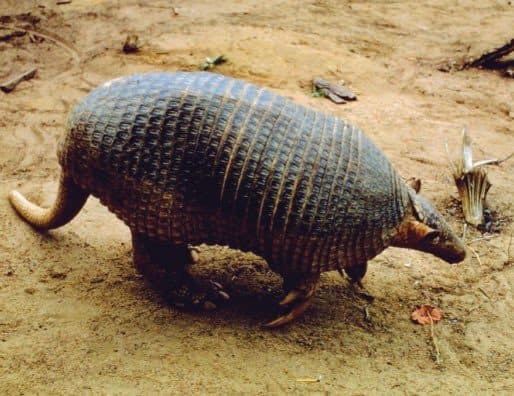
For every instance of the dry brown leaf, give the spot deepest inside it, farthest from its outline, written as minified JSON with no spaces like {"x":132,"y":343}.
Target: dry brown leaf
{"x":426,"y":314}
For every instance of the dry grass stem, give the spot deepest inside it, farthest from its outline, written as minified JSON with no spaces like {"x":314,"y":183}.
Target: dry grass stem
{"x":509,"y":258}
{"x":484,"y":293}
{"x":309,"y":380}
{"x":434,"y":341}
{"x":476,"y":255}
{"x":484,"y":238}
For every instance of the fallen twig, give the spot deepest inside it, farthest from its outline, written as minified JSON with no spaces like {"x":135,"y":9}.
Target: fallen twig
{"x":336,"y":93}
{"x":367,"y":316}
{"x":491,"y":60}
{"x":483,"y":238}
{"x":509,"y":260}
{"x":484,"y":292}
{"x":212,"y":62}
{"x":476,"y":255}
{"x":49,"y":36}
{"x":434,"y":341}
{"x":9,"y":85}
{"x":10,"y":35}
{"x":310,"y":380}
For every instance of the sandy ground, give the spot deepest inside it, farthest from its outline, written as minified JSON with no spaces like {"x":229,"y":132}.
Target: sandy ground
{"x":75,"y":318}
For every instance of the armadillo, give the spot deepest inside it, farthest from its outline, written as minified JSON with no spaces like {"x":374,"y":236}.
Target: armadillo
{"x":194,"y":157}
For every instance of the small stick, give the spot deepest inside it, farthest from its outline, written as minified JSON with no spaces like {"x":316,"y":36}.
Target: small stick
{"x":338,"y":90}
{"x":309,"y":380}
{"x":15,"y":33}
{"x":483,"y":238}
{"x":491,"y":161}
{"x":476,"y":255}
{"x":367,"y":316}
{"x":490,"y":60}
{"x":484,"y":293}
{"x":473,"y":309}
{"x":336,"y":93}
{"x":434,"y":341}
{"x":62,"y":2}
{"x":508,"y":249}
{"x":333,"y":97}
{"x":49,"y":36}
{"x":9,"y":85}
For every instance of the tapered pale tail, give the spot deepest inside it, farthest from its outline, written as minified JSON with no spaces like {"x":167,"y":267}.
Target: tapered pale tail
{"x":70,"y":199}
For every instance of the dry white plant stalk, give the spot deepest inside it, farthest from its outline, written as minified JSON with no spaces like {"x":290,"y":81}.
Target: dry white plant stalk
{"x":471,"y":180}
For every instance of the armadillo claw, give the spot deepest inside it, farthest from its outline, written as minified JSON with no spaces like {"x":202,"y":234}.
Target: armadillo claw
{"x":293,"y":295}
{"x":186,"y":294}
{"x":297,"y":295}
{"x":218,"y":289}
{"x":295,"y":312}
{"x":299,"y":298}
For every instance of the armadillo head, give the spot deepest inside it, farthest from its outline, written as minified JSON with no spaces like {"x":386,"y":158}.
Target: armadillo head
{"x":425,"y":229}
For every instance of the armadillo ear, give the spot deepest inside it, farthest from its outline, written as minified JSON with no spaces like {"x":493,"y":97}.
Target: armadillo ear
{"x":417,"y":205}
{"x":414,"y":183}
{"x":412,"y":232}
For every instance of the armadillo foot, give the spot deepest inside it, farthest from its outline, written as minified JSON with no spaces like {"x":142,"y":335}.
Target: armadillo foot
{"x":299,"y":297}
{"x":356,"y":272}
{"x":360,"y":291}
{"x":165,"y":267}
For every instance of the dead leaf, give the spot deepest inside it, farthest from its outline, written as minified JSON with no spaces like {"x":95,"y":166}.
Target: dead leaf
{"x":426,"y":314}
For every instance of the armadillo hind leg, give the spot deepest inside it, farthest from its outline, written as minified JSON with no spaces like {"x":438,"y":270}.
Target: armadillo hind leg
{"x":165,"y":267}
{"x":70,"y":199}
{"x":300,"y":290}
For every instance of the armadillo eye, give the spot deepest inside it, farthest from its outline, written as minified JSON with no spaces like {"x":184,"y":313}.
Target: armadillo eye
{"x":432,"y":236}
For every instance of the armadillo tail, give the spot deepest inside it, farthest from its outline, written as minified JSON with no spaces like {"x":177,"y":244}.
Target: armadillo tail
{"x":70,"y":199}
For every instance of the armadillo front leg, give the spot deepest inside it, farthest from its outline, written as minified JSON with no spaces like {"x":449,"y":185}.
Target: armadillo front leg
{"x":300,"y":290}
{"x":356,"y":272}
{"x":165,"y":265}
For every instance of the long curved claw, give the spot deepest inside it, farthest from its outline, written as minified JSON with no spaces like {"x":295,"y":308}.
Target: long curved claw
{"x":299,"y":298}
{"x":217,"y":288}
{"x":293,"y":295}
{"x":296,"y":312}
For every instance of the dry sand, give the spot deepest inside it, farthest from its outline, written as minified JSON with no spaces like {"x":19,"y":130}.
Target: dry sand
{"x":75,"y":318}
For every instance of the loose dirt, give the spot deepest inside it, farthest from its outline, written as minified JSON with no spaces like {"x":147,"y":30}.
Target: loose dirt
{"x":75,"y":318}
